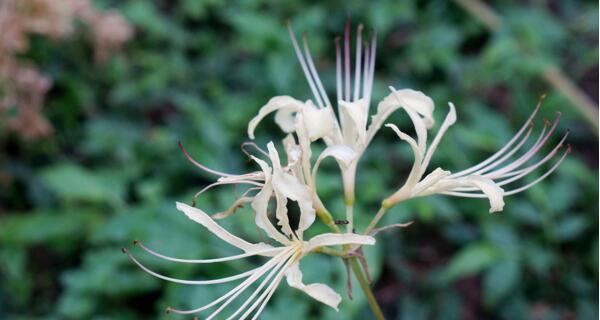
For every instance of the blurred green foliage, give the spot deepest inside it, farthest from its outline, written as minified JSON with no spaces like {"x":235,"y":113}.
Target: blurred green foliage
{"x":197,"y":71}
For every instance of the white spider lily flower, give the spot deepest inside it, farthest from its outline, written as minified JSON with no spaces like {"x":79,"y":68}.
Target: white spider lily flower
{"x":284,"y":261}
{"x":347,"y":135}
{"x":484,"y":180}
{"x":282,"y":184}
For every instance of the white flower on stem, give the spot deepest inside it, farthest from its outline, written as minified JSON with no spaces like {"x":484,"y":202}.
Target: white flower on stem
{"x":284,"y":258}
{"x":484,"y":180}
{"x":348,"y":134}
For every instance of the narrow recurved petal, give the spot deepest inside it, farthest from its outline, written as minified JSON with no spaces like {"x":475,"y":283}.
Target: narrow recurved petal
{"x":287,"y":105}
{"x":343,"y":154}
{"x":317,"y":291}
{"x":204,"y":219}
{"x":335,"y":239}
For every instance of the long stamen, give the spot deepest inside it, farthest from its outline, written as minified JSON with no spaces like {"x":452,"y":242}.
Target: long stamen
{"x":521,"y":173}
{"x":516,"y":175}
{"x":500,"y":152}
{"x":239,"y":203}
{"x":338,"y":68}
{"x":199,"y":261}
{"x":266,"y":295}
{"x":524,"y":158}
{"x":366,"y":78}
{"x":357,"y":68}
{"x":194,"y":282}
{"x":513,"y":151}
{"x":347,"y":60}
{"x":514,"y":191}
{"x":303,"y":65}
{"x":313,"y":70}
{"x":536,"y":181}
{"x":197,"y":164}
{"x":259,"y":288}
{"x":372,"y":65}
{"x":273,"y":270}
{"x":255,"y":146}
{"x":239,"y":288}
{"x":258,"y":184}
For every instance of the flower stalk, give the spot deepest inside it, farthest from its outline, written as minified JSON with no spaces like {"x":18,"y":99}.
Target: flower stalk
{"x":366,"y":288}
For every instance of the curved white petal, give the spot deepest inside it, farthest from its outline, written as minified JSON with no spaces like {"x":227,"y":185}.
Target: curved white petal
{"x":287,"y":186}
{"x":204,"y":219}
{"x":419,"y":102}
{"x":416,"y":101}
{"x":415,"y":172}
{"x":260,"y":205}
{"x":343,"y":154}
{"x":419,"y":123}
{"x":291,"y":188}
{"x":488,"y":187}
{"x":286,"y":119}
{"x":319,"y":123}
{"x":292,"y":150}
{"x":304,"y":142}
{"x":276,"y":103}
{"x":317,"y":291}
{"x":494,"y":193}
{"x":334,"y":239}
{"x":448,"y":121}
{"x":355,"y":123}
{"x":430,"y":180}
{"x":281,"y":211}
{"x":264,"y":167}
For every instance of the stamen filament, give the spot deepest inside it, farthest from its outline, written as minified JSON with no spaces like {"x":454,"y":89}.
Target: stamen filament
{"x":313,"y":70}
{"x":536,"y":181}
{"x":266,"y":295}
{"x":514,"y":191}
{"x":303,"y":65}
{"x":516,"y":175}
{"x":347,"y":60}
{"x":524,"y":158}
{"x":512,"y":152}
{"x":366,"y":71}
{"x":372,"y":66}
{"x":357,"y":68}
{"x":274,"y":271}
{"x":201,"y":261}
{"x":197,"y":164}
{"x":338,"y":68}
{"x":194,"y":282}
{"x":258,"y":184}
{"x":239,"y":288}
{"x":503,"y":149}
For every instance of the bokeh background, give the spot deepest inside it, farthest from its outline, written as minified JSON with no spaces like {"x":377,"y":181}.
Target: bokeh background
{"x":107,"y":170}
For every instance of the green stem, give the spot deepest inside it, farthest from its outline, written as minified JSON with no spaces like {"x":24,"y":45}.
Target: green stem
{"x":375,"y":220}
{"x":364,"y":285}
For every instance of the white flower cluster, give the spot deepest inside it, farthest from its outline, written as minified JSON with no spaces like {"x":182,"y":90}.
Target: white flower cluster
{"x":346,"y":136}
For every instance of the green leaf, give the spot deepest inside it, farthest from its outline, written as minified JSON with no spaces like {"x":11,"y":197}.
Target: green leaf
{"x":73,"y":183}
{"x":500,"y":280}
{"x":471,"y":260}
{"x":48,"y":227}
{"x":569,"y":228}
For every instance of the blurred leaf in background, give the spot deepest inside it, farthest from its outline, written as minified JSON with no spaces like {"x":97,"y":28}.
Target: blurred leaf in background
{"x":197,"y":71}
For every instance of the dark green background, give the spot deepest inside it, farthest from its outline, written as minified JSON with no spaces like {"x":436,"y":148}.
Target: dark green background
{"x":197,"y":71}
